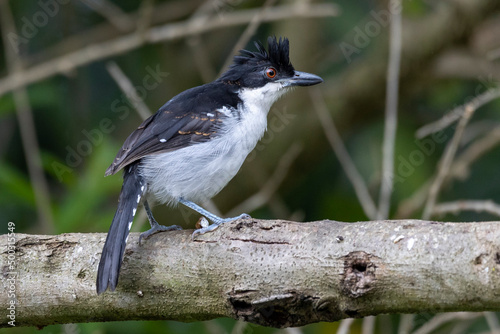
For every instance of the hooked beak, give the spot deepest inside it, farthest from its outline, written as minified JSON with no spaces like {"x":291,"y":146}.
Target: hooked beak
{"x":302,"y":79}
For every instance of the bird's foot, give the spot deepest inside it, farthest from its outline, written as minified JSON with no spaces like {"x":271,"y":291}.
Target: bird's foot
{"x":216,"y":223}
{"x":158,"y":228}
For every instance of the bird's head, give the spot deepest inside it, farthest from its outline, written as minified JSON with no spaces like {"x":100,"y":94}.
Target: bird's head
{"x":267,"y":70}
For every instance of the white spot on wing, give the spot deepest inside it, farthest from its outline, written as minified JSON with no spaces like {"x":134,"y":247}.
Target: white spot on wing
{"x":129,"y":226}
{"x":133,"y":212}
{"x":142,"y":188}
{"x":163,"y":140}
{"x":225,"y":110}
{"x":138,"y":198}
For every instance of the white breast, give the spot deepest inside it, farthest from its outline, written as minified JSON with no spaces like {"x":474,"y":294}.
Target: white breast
{"x":200,"y":171}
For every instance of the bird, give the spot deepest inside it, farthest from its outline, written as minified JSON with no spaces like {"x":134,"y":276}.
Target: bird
{"x":195,"y":144}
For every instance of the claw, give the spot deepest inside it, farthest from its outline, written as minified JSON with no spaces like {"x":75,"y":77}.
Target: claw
{"x":158,"y":228}
{"x":217,"y":223}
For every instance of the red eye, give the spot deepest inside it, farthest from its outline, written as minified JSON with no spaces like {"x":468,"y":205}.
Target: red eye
{"x":271,"y":72}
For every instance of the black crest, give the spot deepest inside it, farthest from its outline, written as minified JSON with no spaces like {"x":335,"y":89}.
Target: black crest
{"x":276,"y":55}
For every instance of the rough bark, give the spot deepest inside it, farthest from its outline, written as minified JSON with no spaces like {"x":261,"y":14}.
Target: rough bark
{"x":273,"y":273}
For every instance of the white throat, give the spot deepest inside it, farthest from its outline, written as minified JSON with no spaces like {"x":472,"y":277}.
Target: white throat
{"x":262,"y":98}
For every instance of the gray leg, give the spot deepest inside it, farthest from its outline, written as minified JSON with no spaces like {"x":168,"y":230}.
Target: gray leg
{"x":155,"y":227}
{"x":210,"y":216}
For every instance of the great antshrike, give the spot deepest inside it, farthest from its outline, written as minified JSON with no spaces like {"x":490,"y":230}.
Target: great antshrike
{"x":195,"y":144}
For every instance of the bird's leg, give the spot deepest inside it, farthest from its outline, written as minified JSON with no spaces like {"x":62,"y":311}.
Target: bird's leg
{"x":155,"y":227}
{"x":216,"y":220}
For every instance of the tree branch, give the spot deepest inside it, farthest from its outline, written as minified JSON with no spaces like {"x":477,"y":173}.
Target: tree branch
{"x":170,"y":31}
{"x":273,"y":273}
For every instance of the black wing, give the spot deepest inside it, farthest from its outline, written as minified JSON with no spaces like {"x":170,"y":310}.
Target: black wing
{"x":190,"y":117}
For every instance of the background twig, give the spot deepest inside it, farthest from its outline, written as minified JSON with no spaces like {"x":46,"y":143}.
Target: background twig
{"x":391,"y":110}
{"x":27,"y":126}
{"x":446,"y":161}
{"x":340,"y":151}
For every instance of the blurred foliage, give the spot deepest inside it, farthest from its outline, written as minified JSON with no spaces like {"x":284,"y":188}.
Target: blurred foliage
{"x":76,"y":148}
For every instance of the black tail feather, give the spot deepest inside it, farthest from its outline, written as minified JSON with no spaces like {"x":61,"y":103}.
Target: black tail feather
{"x":112,"y":253}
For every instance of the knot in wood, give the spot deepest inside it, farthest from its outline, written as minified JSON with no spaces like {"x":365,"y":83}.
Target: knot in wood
{"x":359,"y":274}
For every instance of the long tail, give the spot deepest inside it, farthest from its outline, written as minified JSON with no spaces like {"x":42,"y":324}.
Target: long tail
{"x":112,"y":254}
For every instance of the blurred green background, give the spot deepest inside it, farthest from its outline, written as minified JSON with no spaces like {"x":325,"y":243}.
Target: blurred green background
{"x":450,"y":54}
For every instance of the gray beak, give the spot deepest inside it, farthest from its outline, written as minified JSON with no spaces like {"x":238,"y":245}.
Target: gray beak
{"x":302,"y":79}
